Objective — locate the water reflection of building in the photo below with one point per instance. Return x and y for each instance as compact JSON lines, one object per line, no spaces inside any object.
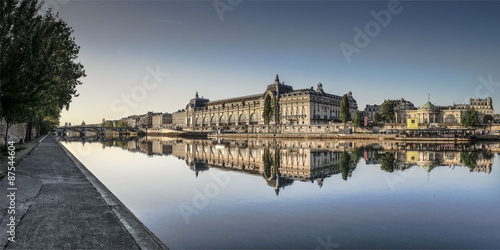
{"x":295,"y":163}
{"x":429,"y":160}
{"x":314,"y":160}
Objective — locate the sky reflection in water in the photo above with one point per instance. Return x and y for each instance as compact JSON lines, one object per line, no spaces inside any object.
{"x":449,"y":206}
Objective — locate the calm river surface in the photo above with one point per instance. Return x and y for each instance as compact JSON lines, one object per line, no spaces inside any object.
{"x":304,"y":194}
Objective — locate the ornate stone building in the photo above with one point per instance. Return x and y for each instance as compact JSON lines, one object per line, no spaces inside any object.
{"x":303,"y":107}
{"x":483,"y":106}
{"x":430,"y":113}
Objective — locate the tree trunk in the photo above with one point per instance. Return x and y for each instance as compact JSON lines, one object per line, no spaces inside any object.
{"x":7,"y":126}
{"x":28,"y":131}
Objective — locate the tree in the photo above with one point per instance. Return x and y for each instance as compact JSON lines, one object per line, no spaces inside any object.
{"x":38,"y":72}
{"x":345,"y":159}
{"x":377,"y":118}
{"x":355,"y":156}
{"x":469,"y":159}
{"x":358,"y":120}
{"x":387,"y":162}
{"x":276,"y":110}
{"x":469,"y":118}
{"x":345,"y":115}
{"x":387,"y":111}
{"x":107,"y":124}
{"x":268,"y":109}
{"x":121,"y":124}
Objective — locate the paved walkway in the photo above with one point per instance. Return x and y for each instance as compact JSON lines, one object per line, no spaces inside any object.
{"x":61,"y":205}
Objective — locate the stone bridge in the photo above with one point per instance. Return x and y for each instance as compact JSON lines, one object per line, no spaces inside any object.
{"x":63,"y":131}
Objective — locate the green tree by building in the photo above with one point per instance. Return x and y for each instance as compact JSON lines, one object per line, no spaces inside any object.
{"x":345,"y":115}
{"x":121,"y":124}
{"x":268,"y":109}
{"x":358,"y":119}
{"x":470,"y":118}
{"x":107,"y":124}
{"x":387,"y":111}
{"x":377,"y":118}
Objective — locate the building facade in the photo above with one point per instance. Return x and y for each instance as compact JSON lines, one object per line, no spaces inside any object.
{"x":483,"y":106}
{"x":303,"y":107}
{"x":430,"y":113}
{"x":371,"y":110}
{"x":161,"y":120}
{"x":146,"y":120}
{"x":133,"y":121}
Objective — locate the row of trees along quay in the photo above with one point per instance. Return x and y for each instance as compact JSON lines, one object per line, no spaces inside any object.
{"x":38,"y":71}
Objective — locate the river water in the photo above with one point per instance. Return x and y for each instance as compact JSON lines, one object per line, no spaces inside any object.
{"x":303,"y":194}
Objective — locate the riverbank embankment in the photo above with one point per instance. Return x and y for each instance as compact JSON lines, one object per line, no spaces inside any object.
{"x":59,"y":204}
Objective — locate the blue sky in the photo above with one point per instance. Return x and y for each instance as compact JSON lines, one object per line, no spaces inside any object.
{"x":447,"y":48}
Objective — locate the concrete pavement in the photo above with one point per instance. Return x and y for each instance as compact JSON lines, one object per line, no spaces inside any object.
{"x":59,"y":204}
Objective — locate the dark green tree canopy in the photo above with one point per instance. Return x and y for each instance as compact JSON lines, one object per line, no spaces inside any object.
{"x":268,"y":109}
{"x":358,"y":119}
{"x":345,"y":159}
{"x":387,"y":111}
{"x":38,"y":72}
{"x":377,"y":118}
{"x":470,"y":118}
{"x":345,"y":116}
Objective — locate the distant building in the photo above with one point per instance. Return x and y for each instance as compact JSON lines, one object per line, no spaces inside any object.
{"x":483,"y":106}
{"x":83,"y":123}
{"x":430,"y":113}
{"x":371,"y":110}
{"x":179,"y":118}
{"x":133,"y":121}
{"x":302,"y":107}
{"x":160,"y":120}
{"x":146,"y":120}
{"x":400,"y":108}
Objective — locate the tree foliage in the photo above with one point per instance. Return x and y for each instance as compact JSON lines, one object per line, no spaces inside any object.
{"x":470,"y":118}
{"x":377,"y":118}
{"x":345,"y":159}
{"x":271,"y":163}
{"x":121,"y":124}
{"x":107,"y":124}
{"x":268,"y":109}
{"x":38,"y":72}
{"x":345,"y":115}
{"x":355,"y":156}
{"x":387,"y":162}
{"x":387,"y":111}
{"x":358,"y":119}
{"x":469,"y":159}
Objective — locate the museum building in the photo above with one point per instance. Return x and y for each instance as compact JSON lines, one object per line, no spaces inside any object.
{"x":300,"y":108}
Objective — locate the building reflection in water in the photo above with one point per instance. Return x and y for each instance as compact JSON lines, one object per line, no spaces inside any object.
{"x":281,"y":163}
